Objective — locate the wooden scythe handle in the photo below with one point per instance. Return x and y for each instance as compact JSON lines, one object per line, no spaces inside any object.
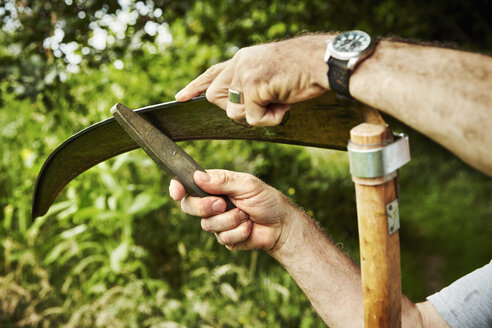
{"x":379,"y":251}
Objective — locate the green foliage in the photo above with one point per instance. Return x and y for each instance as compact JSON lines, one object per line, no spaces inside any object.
{"x":115,"y":235}
{"x":115,"y":251}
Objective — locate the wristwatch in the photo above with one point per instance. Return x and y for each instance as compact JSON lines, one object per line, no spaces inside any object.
{"x":343,"y":54}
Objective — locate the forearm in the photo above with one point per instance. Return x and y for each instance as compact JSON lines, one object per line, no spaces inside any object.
{"x":443,"y":93}
{"x":328,"y":277}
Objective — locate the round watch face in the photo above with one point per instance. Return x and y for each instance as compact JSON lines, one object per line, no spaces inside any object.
{"x":350,"y":44}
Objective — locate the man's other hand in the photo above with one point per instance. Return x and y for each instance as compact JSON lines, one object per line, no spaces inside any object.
{"x":259,"y":220}
{"x":271,"y":77}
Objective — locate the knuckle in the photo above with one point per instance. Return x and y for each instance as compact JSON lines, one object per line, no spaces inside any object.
{"x":251,"y":79}
{"x":204,"y":207}
{"x":244,"y":52}
{"x":252,"y":120}
{"x":211,"y":95}
{"x":201,"y":209}
{"x":251,"y":178}
{"x":234,"y":114}
{"x":221,"y":177}
{"x":225,"y":239}
{"x":240,"y":52}
{"x":212,"y":70}
{"x":245,"y":230}
{"x":253,"y":181}
{"x":277,"y":119}
{"x":237,"y":219}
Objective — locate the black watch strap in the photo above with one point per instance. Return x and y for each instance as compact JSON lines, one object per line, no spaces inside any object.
{"x":338,"y":76}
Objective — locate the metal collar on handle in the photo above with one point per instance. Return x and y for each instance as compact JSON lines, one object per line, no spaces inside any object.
{"x":378,"y":162}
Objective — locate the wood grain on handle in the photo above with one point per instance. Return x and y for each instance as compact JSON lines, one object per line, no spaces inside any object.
{"x":379,"y":251}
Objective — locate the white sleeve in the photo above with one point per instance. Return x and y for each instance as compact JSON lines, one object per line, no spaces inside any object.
{"x":467,"y":302}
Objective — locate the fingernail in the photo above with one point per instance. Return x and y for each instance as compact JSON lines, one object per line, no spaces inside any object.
{"x":218,"y":206}
{"x":204,"y":176}
{"x":178,"y":94}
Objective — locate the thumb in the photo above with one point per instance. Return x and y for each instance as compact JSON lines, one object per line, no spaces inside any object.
{"x":230,"y":183}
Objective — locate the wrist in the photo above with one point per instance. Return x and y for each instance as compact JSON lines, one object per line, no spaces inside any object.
{"x":310,"y":50}
{"x":343,"y":54}
{"x":320,"y":69}
{"x":292,"y":230}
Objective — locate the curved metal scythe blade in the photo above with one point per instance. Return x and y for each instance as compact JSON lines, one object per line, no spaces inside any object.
{"x":321,"y":122}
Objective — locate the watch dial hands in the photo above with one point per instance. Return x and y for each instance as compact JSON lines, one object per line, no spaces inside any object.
{"x":352,"y":42}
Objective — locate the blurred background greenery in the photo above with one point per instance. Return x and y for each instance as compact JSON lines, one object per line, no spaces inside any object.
{"x":115,"y":251}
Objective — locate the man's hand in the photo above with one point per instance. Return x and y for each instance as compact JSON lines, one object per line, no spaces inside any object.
{"x":257,"y":222}
{"x":270,"y":76}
